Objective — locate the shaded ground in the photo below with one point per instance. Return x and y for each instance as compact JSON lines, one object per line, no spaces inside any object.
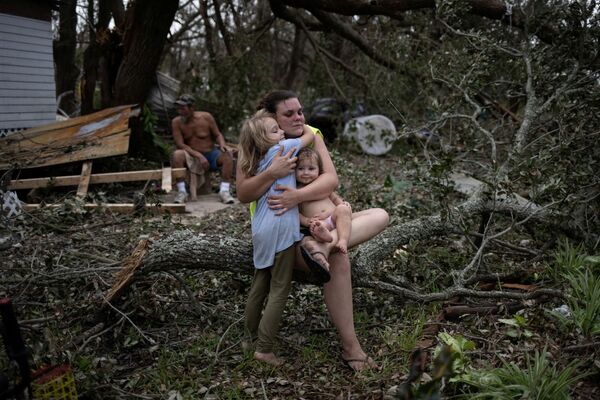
{"x":178,"y":335}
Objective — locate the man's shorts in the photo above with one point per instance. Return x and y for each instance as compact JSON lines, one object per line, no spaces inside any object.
{"x":212,"y":156}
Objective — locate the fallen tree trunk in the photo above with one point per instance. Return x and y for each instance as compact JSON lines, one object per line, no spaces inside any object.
{"x":189,"y":250}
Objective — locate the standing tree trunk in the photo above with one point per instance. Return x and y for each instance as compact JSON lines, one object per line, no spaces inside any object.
{"x":146,"y":27}
{"x":64,"y":56}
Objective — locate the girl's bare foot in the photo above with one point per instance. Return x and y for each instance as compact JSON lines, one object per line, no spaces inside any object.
{"x":269,"y":358}
{"x":342,"y":246}
{"x":319,"y":232}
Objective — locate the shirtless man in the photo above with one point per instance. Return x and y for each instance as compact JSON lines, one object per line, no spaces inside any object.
{"x":200,"y":147}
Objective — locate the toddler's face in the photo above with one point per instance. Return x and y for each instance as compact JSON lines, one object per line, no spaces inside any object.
{"x":274,"y":133}
{"x":307,"y":171}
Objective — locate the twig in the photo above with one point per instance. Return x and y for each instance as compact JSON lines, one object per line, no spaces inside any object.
{"x":581,"y":346}
{"x":222,"y":337}
{"x":188,"y":291}
{"x":92,"y":337}
{"x":150,"y":340}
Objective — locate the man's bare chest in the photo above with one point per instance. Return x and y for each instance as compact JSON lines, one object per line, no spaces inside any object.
{"x":195,"y":131}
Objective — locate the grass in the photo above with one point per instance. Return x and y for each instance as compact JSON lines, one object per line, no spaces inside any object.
{"x":539,"y":379}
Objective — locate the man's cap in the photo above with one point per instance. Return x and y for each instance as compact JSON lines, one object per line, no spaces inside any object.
{"x":185,"y":100}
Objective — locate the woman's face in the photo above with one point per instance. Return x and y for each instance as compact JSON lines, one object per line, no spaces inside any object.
{"x":290,"y":117}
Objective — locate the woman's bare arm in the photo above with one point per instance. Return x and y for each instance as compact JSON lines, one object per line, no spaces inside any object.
{"x":318,"y":189}
{"x":250,"y":188}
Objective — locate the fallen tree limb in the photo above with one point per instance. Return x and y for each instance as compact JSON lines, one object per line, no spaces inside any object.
{"x":188,"y":250}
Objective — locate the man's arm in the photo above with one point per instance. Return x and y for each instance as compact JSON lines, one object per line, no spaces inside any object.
{"x":216,"y":133}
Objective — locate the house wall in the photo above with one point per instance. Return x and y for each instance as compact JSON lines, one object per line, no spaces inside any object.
{"x":27,"y":88}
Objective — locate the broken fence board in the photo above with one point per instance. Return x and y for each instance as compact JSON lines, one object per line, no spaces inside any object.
{"x":86,"y":171}
{"x":173,"y":208}
{"x":111,"y":177}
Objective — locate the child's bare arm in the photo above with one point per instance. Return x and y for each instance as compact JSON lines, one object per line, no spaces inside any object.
{"x":336,"y":199}
{"x":307,"y":137}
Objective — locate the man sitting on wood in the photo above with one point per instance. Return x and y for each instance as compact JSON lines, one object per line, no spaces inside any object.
{"x":200,"y":147}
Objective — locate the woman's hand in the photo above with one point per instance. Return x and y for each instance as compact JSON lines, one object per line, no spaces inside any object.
{"x":282,"y":164}
{"x":281,"y":203}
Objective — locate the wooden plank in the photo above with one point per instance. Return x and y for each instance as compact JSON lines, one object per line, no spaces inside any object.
{"x":167,"y":184}
{"x":119,"y":207}
{"x":15,"y":29}
{"x":84,"y":183}
{"x":100,"y":134}
{"x":109,"y":177}
{"x":113,"y":145}
{"x":79,"y":121}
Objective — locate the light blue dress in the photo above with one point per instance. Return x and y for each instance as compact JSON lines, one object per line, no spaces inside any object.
{"x":272,"y":233}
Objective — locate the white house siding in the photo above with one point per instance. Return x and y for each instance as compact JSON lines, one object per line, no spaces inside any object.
{"x":27,"y":88}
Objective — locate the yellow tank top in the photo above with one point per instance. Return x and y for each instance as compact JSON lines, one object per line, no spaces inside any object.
{"x":315,"y":131}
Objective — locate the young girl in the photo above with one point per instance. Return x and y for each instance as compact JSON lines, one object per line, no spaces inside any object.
{"x":273,"y":236}
{"x":326,"y":214}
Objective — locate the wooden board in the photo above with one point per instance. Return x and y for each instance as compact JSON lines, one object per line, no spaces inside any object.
{"x":102,"y":134}
{"x":84,"y":182}
{"x":119,"y":207}
{"x":73,"y":180}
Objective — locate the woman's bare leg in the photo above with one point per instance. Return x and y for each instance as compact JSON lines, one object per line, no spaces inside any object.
{"x":338,"y":291}
{"x":338,"y":298}
{"x":366,"y":224}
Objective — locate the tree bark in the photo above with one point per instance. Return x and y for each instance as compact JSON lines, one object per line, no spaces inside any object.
{"x":186,"y":249}
{"x":147,"y":24}
{"x":66,"y":72}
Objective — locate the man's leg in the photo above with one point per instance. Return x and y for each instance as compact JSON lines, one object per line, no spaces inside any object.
{"x":225,"y":164}
{"x":178,"y":161}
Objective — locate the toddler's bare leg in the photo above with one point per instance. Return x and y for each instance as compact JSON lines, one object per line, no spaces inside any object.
{"x":342,"y":216}
{"x":320,"y":232}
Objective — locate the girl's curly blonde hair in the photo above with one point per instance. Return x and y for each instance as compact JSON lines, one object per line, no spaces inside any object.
{"x":254,"y":142}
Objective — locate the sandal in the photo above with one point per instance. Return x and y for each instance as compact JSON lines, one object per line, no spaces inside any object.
{"x":316,"y":268}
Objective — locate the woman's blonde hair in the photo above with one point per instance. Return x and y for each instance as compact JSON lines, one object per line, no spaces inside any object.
{"x":254,"y":142}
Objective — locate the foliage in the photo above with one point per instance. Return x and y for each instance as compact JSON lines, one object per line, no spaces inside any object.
{"x":459,"y":347}
{"x":581,"y":273}
{"x":568,"y":259}
{"x":519,"y":326}
{"x":538,"y":380}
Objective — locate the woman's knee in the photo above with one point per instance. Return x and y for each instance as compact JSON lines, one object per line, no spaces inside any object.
{"x":380,"y":217}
